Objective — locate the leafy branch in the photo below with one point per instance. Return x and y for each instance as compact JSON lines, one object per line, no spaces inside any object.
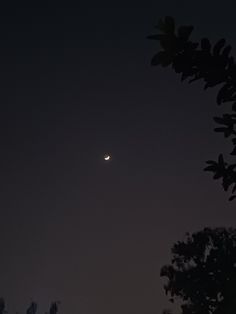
{"x":212,"y":64}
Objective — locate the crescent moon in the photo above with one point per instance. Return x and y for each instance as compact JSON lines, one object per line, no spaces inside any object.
{"x":107,"y":157}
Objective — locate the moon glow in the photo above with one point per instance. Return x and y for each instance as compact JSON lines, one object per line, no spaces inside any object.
{"x":107,"y":157}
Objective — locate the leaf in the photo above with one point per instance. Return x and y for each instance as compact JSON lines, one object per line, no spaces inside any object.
{"x":218,"y":46}
{"x":226,"y":184}
{"x":210,"y":168}
{"x":226,"y":51}
{"x":221,"y":159}
{"x":205,"y":44}
{"x":217,"y":176}
{"x":231,"y":167}
{"x":160,"y":25}
{"x":227,"y":132}
{"x":222,"y":93}
{"x":233,"y":151}
{"x":232,"y":197}
{"x":234,"y":188}
{"x":161,"y":58}
{"x":219,"y":120}
{"x":169,"y":24}
{"x":184,"y":32}
{"x":156,"y":59}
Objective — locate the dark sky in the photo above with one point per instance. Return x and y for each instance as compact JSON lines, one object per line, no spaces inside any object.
{"x":75,"y":82}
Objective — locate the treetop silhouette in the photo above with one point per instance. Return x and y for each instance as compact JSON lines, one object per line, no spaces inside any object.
{"x":202,"y":272}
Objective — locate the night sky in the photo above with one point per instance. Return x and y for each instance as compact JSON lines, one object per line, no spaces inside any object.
{"x":75,"y":83}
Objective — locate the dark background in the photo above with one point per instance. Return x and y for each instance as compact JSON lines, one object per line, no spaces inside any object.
{"x":76,"y":82}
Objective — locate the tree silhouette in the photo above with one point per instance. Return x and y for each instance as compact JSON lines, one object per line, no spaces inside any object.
{"x":32,"y":309}
{"x":202,"y":272}
{"x":54,"y":308}
{"x":215,"y":66}
{"x":2,"y":306}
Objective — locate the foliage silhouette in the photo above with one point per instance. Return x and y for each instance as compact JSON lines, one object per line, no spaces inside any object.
{"x":202,"y":272}
{"x":32,"y":309}
{"x":2,"y":306}
{"x":215,"y":66}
